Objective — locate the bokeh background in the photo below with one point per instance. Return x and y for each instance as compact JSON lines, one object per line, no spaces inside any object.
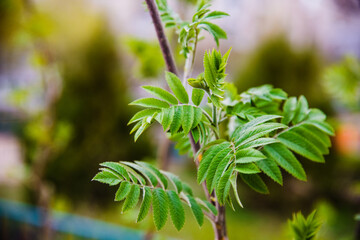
{"x":69,"y":69}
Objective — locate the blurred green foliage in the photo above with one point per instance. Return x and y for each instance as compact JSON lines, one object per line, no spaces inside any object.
{"x":304,"y":228}
{"x":276,"y":62}
{"x":87,"y":123}
{"x":10,"y":11}
{"x":342,"y":81}
{"x":38,"y":134}
{"x":94,"y":102}
{"x":149,"y":60}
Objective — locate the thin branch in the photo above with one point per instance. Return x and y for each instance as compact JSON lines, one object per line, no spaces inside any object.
{"x":164,"y":44}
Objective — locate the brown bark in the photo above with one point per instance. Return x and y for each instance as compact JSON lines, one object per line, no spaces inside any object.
{"x":164,"y":44}
{"x":164,"y":153}
{"x":219,"y":223}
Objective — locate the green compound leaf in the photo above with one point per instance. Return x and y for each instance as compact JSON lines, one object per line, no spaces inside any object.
{"x":153,"y":194}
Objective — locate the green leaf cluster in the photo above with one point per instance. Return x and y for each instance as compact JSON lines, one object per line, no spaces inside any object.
{"x":342,"y":81}
{"x":269,"y":129}
{"x":265,"y":143}
{"x":212,"y":80}
{"x":265,"y":98}
{"x":171,"y":110}
{"x":304,"y":228}
{"x":266,"y":132}
{"x":189,"y":31}
{"x":141,"y":183}
{"x":168,"y":16}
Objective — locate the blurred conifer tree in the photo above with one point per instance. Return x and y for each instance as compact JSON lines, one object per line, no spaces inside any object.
{"x":94,"y":101}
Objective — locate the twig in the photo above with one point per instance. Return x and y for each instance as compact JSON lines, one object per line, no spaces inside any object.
{"x":164,"y":44}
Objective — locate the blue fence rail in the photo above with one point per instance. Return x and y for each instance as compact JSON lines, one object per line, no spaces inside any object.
{"x":66,"y":223}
